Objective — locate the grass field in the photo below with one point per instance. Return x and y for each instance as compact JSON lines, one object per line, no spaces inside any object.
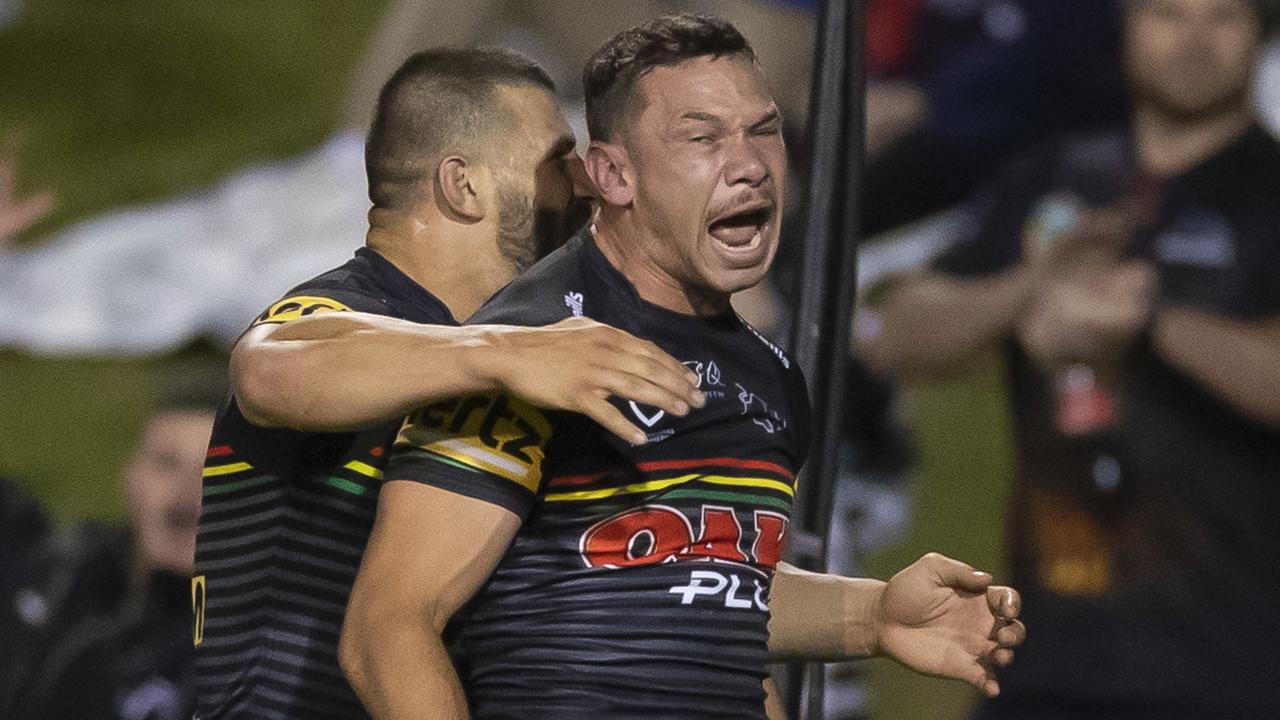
{"x":121,"y":103}
{"x":127,"y":102}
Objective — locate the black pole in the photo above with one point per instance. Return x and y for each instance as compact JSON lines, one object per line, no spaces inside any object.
{"x":823,"y":315}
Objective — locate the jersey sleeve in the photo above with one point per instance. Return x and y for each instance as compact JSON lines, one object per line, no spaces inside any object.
{"x":489,"y":447}
{"x":315,"y":301}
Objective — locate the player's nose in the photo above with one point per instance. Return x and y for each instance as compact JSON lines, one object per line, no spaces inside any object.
{"x":745,"y":164}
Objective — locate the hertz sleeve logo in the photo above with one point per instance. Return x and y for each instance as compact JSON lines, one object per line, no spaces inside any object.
{"x":197,"y":608}
{"x":495,"y":434}
{"x":299,"y":306}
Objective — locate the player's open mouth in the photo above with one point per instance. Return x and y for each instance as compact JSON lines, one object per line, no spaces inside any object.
{"x":742,"y":229}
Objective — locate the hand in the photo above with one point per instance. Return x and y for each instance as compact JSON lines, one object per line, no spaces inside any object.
{"x":1088,"y":314}
{"x":578,"y":363}
{"x":17,"y":214}
{"x":941,"y":617}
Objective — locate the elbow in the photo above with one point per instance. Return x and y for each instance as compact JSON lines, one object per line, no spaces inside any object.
{"x":365,"y":630}
{"x":352,"y":656}
{"x":259,"y":382}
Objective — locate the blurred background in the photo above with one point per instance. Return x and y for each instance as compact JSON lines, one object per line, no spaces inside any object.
{"x":169,"y":169}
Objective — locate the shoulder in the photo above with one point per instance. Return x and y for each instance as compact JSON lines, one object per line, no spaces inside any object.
{"x":786,"y":366}
{"x":343,"y":288}
{"x":547,"y":293}
{"x":1258,"y":164}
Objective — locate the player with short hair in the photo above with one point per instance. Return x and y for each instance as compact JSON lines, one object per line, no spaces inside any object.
{"x":606,"y":580}
{"x":472,"y":176}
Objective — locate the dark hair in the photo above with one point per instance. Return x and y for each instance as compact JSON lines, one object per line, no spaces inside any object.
{"x":190,"y":382}
{"x":439,"y":101}
{"x":1268,"y":12}
{"x":611,"y":73}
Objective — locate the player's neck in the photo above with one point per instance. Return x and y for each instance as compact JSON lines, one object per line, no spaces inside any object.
{"x":1169,"y":146}
{"x":438,"y":258}
{"x":629,"y":249}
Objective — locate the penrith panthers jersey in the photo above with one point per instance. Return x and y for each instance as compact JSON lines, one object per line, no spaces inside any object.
{"x":638,"y":584}
{"x":286,"y":518}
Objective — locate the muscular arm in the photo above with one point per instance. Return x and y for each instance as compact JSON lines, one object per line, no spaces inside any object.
{"x":1238,"y":361}
{"x":429,"y":553}
{"x":347,"y":370}
{"x":931,"y":321}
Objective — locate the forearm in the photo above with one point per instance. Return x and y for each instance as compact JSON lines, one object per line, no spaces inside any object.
{"x":345,"y":371}
{"x":933,"y":321}
{"x":818,"y":617}
{"x":1238,"y":361}
{"x":402,"y":669}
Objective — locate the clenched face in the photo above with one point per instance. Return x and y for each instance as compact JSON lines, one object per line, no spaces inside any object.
{"x":709,"y":168}
{"x":1191,"y":58}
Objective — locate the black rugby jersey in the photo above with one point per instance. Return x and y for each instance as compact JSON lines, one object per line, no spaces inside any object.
{"x":285,"y":522}
{"x":639,"y":581}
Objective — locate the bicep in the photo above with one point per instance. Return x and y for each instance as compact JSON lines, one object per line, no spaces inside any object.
{"x":430,"y":551}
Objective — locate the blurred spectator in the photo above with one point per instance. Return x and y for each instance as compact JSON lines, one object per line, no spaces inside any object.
{"x":97,"y":620}
{"x":1132,"y":277}
{"x":956,"y":87}
{"x":23,"y":524}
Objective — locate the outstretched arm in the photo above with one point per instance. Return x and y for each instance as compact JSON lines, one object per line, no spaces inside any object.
{"x":938,"y":616}
{"x":931,"y":322}
{"x":347,"y":370}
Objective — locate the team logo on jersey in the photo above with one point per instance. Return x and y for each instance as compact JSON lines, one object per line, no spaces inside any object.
{"x":299,"y":306}
{"x":573,"y":301}
{"x":198,"y":587}
{"x":763,"y":417}
{"x":492,"y":433}
{"x":657,"y":534}
{"x":649,"y":419}
{"x":709,"y":377}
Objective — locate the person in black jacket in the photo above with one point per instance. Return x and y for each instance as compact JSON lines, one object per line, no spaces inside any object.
{"x":97,"y":618}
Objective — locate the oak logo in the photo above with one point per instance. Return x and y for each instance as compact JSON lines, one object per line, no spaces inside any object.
{"x":299,"y":306}
{"x":656,"y":534}
{"x":198,"y":588}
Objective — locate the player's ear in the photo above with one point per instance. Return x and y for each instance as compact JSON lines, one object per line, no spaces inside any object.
{"x":460,"y":189}
{"x":610,"y":169}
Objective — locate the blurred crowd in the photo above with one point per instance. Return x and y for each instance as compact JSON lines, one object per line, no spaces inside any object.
{"x":1089,"y":190}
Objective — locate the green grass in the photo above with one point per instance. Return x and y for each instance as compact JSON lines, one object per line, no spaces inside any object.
{"x":959,"y":500}
{"x":121,"y":103}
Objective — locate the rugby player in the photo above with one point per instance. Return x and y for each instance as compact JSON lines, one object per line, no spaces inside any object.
{"x":606,"y":580}
{"x":472,"y":171}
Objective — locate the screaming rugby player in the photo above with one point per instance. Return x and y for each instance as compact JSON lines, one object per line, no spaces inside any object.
{"x":606,"y":580}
